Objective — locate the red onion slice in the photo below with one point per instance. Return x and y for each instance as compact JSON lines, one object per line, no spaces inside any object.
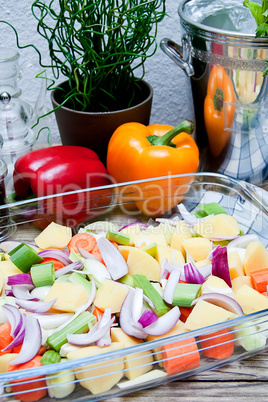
{"x":85,"y":254}
{"x":165,"y":323}
{"x":31,"y":342}
{"x":192,"y":274}
{"x":20,"y":279}
{"x":243,"y":240}
{"x":126,"y":319}
{"x":171,"y":284}
{"x":221,"y":300}
{"x":147,"y":317}
{"x":14,"y":317}
{"x":95,"y":334}
{"x":189,"y":218}
{"x":57,"y":254}
{"x":105,"y":340}
{"x":167,"y":268}
{"x":36,"y":306}
{"x":52,"y":320}
{"x":8,"y":245}
{"x":19,"y":337}
{"x":68,"y":268}
{"x":113,"y":259}
{"x":141,"y":225}
{"x":23,"y":292}
{"x":220,"y":266}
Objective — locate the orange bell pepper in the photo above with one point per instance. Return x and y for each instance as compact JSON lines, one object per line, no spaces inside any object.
{"x":219,"y":109}
{"x":137,"y":152}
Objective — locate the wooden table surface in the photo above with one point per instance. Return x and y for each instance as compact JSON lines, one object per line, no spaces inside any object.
{"x":245,"y":380}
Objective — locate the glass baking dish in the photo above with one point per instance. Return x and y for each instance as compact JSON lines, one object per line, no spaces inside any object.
{"x":24,"y":220}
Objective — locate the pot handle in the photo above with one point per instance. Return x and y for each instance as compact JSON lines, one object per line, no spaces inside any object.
{"x":175,"y":52}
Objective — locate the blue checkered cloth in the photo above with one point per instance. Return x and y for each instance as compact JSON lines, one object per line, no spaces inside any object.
{"x":247,"y":155}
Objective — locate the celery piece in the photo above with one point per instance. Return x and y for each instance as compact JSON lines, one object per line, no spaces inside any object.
{"x":140,"y":281}
{"x":78,"y":325}
{"x":119,"y":238}
{"x":127,"y":280}
{"x":24,"y":256}
{"x":212,"y":208}
{"x":151,"y":249}
{"x":75,"y":277}
{"x":249,"y":337}
{"x":60,"y":384}
{"x":43,"y":274}
{"x":63,"y":278}
{"x":2,"y":257}
{"x":50,"y":357}
{"x":185,"y":293}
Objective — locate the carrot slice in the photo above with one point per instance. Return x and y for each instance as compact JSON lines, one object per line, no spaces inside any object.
{"x":57,"y":264}
{"x":98,"y":313}
{"x":34,"y":394}
{"x":185,"y":312}
{"x":83,"y":240}
{"x":217,"y":347}
{"x":5,"y":337}
{"x":260,"y":280}
{"x":181,"y":356}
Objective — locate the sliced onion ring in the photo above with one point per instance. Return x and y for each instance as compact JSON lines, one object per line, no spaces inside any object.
{"x":35,"y":306}
{"x":31,"y":342}
{"x":243,"y":240}
{"x":113,"y":259}
{"x":95,"y":334}
{"x":23,"y":292}
{"x":57,"y":254}
{"x":220,"y":300}
{"x":165,"y":323}
{"x":85,"y":254}
{"x":68,"y":268}
{"x":14,"y":317}
{"x":126,"y":318}
{"x":19,"y":279}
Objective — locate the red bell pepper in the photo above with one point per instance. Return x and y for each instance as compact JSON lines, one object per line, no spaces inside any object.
{"x":60,"y":169}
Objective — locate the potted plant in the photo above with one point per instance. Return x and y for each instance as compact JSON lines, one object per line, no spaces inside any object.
{"x":99,"y":47}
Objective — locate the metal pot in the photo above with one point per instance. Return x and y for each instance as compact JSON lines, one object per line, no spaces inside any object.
{"x":229,"y":93}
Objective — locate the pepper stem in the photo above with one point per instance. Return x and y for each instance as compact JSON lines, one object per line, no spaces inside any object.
{"x":186,"y":126}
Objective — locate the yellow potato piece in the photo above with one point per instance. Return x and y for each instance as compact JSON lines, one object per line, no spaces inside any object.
{"x":250,"y":299}
{"x":256,"y":258}
{"x":181,"y":233}
{"x":102,"y":376}
{"x":239,"y":281}
{"x":198,"y":247}
{"x":140,"y":262}
{"x":69,"y":296}
{"x":135,"y":364}
{"x":235,"y":264}
{"x":110,"y":294}
{"x":204,"y":314}
{"x":217,"y":226}
{"x":170,"y":254}
{"x":54,"y":236}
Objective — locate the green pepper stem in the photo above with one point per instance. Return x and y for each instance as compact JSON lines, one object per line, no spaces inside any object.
{"x":186,"y":126}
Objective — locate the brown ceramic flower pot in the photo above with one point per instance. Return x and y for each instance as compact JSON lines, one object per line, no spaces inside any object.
{"x":93,"y":130}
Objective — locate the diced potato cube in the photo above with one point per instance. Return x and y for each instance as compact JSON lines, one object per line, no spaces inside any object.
{"x":198,"y":247}
{"x":140,"y":262}
{"x":256,"y":257}
{"x":102,"y":376}
{"x":54,"y":236}
{"x":204,"y":314}
{"x":136,"y":364}
{"x":110,"y":294}
{"x":69,"y":296}
{"x":250,"y":299}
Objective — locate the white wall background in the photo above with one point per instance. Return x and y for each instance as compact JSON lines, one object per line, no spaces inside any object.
{"x":172,"y":101}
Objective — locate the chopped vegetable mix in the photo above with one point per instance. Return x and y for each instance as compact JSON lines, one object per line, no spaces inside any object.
{"x":104,"y":290}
